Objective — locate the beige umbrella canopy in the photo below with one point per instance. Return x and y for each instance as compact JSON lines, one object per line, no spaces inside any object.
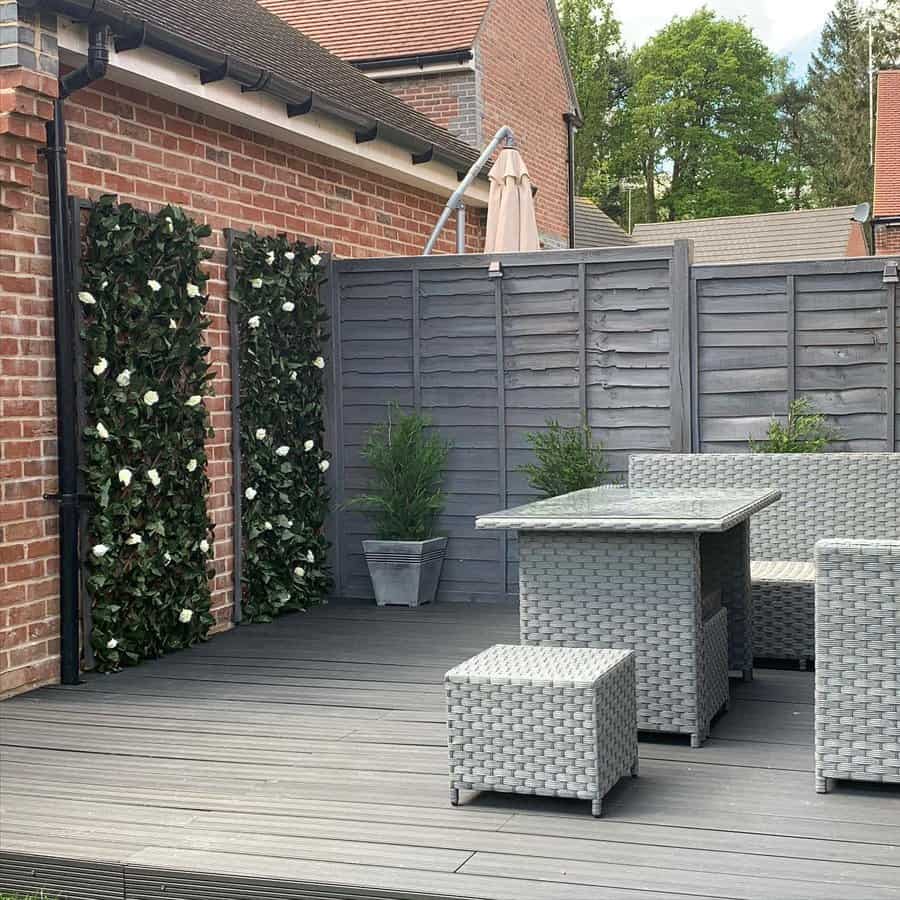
{"x":510,"y":222}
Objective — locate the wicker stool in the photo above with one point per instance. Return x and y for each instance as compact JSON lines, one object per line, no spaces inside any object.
{"x":553,"y":721}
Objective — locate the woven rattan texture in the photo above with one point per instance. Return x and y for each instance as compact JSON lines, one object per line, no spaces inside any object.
{"x":857,"y":661}
{"x":825,"y":495}
{"x":547,"y":737}
{"x":638,"y":592}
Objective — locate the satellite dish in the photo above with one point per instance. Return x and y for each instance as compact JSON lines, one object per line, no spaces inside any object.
{"x":861,"y":213}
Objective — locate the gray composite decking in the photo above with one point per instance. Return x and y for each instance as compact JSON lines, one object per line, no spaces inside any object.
{"x":311,"y":751}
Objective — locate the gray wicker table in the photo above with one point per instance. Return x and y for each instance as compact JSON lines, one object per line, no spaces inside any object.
{"x":665,"y":573}
{"x":553,"y":721}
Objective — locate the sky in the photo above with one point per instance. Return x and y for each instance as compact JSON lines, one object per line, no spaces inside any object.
{"x":788,"y":27}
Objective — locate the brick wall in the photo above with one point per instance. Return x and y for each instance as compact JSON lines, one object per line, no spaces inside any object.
{"x":887,"y":239}
{"x":149,"y":152}
{"x":524,"y":86}
{"x":449,"y":99}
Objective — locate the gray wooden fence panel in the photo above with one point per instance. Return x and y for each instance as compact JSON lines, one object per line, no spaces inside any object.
{"x":653,"y":352}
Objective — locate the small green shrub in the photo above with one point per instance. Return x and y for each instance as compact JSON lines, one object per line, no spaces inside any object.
{"x":568,"y":460}
{"x":405,"y":492}
{"x":806,"y":431}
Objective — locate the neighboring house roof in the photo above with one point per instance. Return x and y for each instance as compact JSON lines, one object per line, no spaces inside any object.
{"x":798,"y":234}
{"x":594,"y":228}
{"x":358,"y":30}
{"x":277,"y":58}
{"x":887,"y":146}
{"x":365,"y":31}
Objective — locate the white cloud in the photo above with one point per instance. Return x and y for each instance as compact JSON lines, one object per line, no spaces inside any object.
{"x":785,"y":27}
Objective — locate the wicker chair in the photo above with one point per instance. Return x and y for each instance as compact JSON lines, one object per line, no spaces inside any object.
{"x":826,"y":495}
{"x":857,"y":661}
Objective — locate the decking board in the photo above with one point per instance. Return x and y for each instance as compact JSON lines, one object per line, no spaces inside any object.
{"x":311,"y":751}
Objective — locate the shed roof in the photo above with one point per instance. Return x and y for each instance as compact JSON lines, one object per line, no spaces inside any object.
{"x":594,"y":228}
{"x":358,"y":30}
{"x":887,"y":145}
{"x":797,"y":234}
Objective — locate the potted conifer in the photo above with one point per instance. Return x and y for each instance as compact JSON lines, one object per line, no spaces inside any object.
{"x":404,"y":500}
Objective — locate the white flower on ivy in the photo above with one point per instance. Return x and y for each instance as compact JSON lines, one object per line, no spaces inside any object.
{"x":324,"y":466}
{"x":167,"y":557}
{"x":193,"y":400}
{"x":192,"y":290}
{"x":191,"y":464}
{"x":250,"y":493}
{"x":256,"y":283}
{"x":123,"y":379}
{"x":283,"y":450}
{"x":104,"y":285}
{"x":299,"y":571}
{"x":289,"y":256}
{"x":154,"y":285}
{"x":253,"y":322}
{"x":315,"y":259}
{"x":260,"y":433}
{"x":267,"y":525}
{"x":185,"y":616}
{"x":125,"y":476}
{"x":99,"y":550}
{"x":204,"y":546}
{"x":270,"y":257}
{"x":308,"y":445}
{"x":87,"y":298}
{"x":293,"y":376}
{"x":169,"y":226}
{"x":319,"y":362}
{"x":153,"y":477}
{"x":117,"y":227}
{"x":288,"y":306}
{"x":310,"y":556}
{"x":150,"y":398}
{"x":111,"y":644}
{"x":134,"y":539}
{"x":173,"y":325}
{"x":102,"y":431}
{"x":100,"y":366}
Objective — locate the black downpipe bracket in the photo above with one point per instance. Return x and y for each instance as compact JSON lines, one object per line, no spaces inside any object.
{"x":63,"y":261}
{"x":571,"y":124}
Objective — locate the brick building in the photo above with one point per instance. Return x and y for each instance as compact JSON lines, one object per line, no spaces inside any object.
{"x":886,"y":211}
{"x":471,"y":66}
{"x":252,"y":125}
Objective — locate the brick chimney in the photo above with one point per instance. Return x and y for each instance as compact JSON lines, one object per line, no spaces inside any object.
{"x":886,"y":212}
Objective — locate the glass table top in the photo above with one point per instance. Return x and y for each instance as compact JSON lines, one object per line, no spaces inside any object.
{"x":629,"y":509}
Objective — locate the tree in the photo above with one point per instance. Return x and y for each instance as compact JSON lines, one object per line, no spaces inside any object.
{"x":701,"y":120}
{"x":596,"y":58}
{"x":793,"y":100}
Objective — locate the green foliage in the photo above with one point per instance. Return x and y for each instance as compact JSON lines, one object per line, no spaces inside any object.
{"x":149,"y":538}
{"x":806,"y":431}
{"x":283,"y":462}
{"x":405,"y":493}
{"x":567,"y":460}
{"x":702,"y":121}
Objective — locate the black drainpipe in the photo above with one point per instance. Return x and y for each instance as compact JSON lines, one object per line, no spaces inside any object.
{"x":571,"y":123}
{"x":64,"y":322}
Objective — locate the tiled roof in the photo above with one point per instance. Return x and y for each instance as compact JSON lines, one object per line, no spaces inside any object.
{"x":243,"y":31}
{"x":359,"y":30}
{"x":594,"y":228}
{"x":887,"y":145}
{"x":798,"y":234}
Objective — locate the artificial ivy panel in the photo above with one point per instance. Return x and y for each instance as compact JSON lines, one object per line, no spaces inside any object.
{"x":283,"y":462}
{"x":149,"y":540}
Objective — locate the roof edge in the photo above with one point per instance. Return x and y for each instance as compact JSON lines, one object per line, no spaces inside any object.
{"x":461,"y":55}
{"x":774,"y":212}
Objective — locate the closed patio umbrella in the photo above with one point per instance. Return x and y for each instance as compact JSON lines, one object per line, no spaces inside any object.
{"x":510,"y":222}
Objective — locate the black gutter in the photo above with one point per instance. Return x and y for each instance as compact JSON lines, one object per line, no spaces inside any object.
{"x":419,"y":61}
{"x":571,"y":123}
{"x":130,"y":31}
{"x":62,"y":262}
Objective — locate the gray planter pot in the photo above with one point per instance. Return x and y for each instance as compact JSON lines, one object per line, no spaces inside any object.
{"x":405,"y":573}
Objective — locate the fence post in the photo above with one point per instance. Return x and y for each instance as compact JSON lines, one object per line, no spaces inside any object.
{"x":891,"y":406}
{"x":416,"y":341}
{"x":680,"y":349}
{"x":791,"y":292}
{"x":496,"y":275}
{"x":334,"y":402}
